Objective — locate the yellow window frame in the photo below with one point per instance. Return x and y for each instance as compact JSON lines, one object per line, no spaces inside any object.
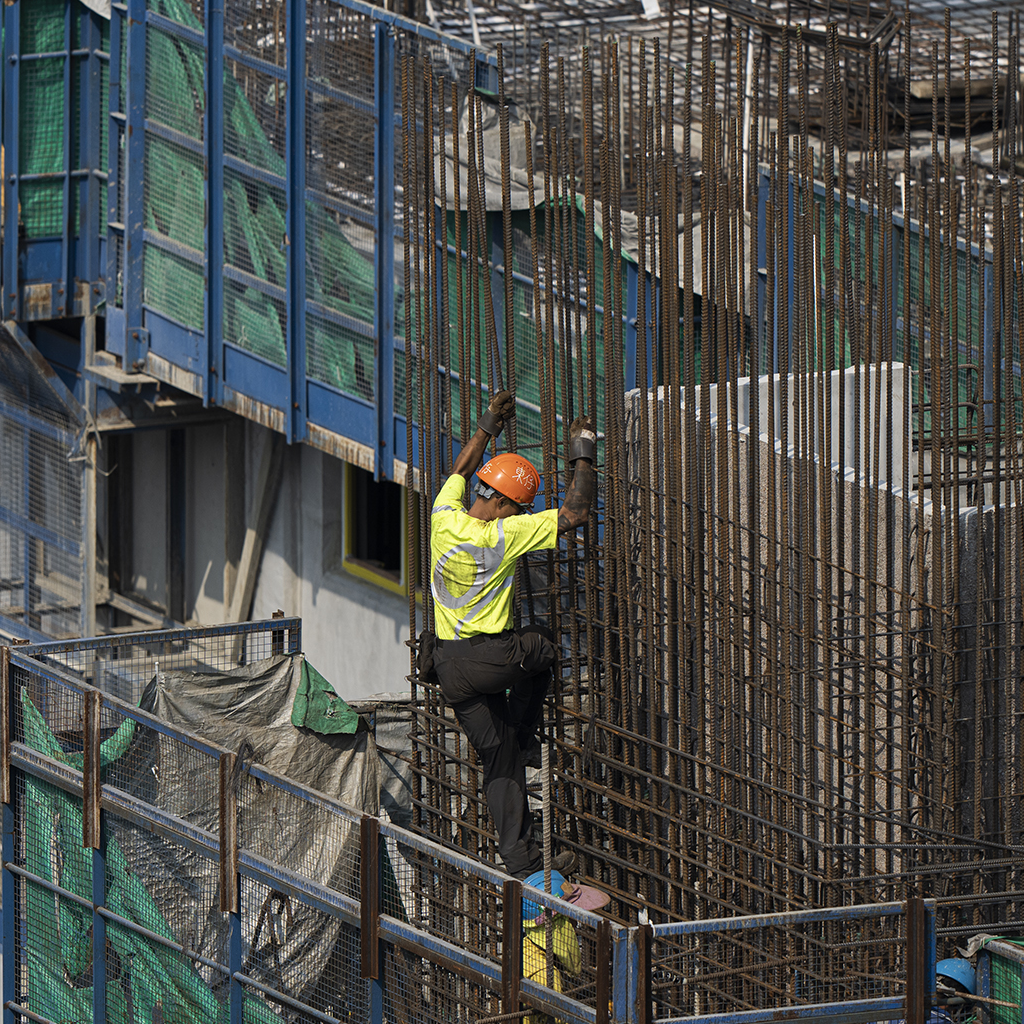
{"x":355,"y":566}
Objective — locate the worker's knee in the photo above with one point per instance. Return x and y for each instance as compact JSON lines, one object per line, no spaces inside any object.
{"x":538,"y":648}
{"x":500,"y":762}
{"x":538,"y":627}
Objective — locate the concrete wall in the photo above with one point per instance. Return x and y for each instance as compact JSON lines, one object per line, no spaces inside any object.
{"x":354,"y":632}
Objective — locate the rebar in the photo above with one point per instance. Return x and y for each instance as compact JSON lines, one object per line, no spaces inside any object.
{"x":791,"y":631}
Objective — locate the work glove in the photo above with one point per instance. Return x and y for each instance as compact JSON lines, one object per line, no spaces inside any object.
{"x":498,"y":410}
{"x":582,"y":439}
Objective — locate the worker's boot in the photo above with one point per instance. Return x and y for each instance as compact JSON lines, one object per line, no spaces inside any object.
{"x":564,"y":863}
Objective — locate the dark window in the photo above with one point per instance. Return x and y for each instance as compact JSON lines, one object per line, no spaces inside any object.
{"x":375,"y":528}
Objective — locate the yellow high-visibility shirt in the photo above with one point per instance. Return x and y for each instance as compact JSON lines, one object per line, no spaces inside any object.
{"x":474,"y":562}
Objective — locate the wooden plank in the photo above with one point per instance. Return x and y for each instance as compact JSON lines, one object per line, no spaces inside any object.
{"x":267,"y":483}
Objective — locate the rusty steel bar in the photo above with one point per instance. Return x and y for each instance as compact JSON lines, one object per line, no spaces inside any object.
{"x":790,"y":632}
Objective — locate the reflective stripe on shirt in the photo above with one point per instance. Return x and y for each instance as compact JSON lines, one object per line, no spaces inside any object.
{"x":474,"y":562}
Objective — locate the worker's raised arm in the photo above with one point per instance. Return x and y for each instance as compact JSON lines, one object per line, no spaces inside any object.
{"x":497,"y":412}
{"x":579,"y":495}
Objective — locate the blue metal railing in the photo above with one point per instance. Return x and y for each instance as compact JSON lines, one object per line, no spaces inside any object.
{"x":444,"y":892}
{"x":888,"y":1006}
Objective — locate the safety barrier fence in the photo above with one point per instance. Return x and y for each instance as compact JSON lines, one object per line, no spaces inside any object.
{"x":819,"y":964}
{"x":119,"y":904}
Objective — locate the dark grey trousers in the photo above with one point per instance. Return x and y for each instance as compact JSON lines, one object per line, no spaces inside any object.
{"x":496,"y":687}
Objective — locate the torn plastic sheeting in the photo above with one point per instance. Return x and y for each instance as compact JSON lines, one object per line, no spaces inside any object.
{"x":317,"y":705}
{"x":249,"y":710}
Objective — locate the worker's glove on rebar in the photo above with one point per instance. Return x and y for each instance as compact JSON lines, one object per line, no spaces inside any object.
{"x":582,"y":440}
{"x":497,"y":412}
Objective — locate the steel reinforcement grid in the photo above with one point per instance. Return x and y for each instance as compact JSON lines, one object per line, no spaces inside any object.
{"x":791,"y":635}
{"x":102,"y":911}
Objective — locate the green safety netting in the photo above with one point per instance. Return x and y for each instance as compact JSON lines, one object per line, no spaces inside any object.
{"x":144,"y":979}
{"x":255,"y":226}
{"x":1005,"y":984}
{"x":41,"y":121}
{"x":341,"y":279}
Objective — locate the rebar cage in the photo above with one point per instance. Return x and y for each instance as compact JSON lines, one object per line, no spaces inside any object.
{"x":791,"y":632}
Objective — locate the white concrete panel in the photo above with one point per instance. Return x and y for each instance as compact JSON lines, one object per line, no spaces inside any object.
{"x":866,"y":406}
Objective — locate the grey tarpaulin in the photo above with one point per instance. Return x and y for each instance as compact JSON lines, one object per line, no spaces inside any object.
{"x":288,"y":946}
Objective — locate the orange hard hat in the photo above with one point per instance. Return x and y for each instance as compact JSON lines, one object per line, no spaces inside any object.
{"x":512,"y":476}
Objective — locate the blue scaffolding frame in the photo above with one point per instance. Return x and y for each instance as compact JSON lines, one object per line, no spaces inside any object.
{"x":95,"y":265}
{"x":98,"y":268}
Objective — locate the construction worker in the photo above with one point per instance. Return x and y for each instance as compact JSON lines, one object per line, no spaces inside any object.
{"x":495,"y":677}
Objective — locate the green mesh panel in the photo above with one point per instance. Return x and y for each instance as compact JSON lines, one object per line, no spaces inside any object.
{"x":162,"y":984}
{"x":344,"y":282}
{"x":43,"y":119}
{"x":104,"y":94}
{"x":41,"y":138}
{"x":174,"y":192}
{"x":254,"y":119}
{"x":255,"y":216}
{"x":1005,"y":987}
{"x":42,"y":26}
{"x":344,"y":357}
{"x":174,"y":285}
{"x":254,"y":321}
{"x":175,"y":100}
{"x":255,"y":226}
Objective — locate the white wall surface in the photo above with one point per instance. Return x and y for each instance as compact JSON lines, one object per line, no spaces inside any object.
{"x":866,"y":405}
{"x":352,"y":631}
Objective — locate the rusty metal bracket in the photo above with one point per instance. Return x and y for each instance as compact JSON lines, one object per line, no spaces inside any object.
{"x":91,"y":782}
{"x":603,"y":989}
{"x":228,"y":836}
{"x":919,"y":988}
{"x":644,"y":993}
{"x":511,"y":946}
{"x":369,"y":892}
{"x":5,"y":724}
